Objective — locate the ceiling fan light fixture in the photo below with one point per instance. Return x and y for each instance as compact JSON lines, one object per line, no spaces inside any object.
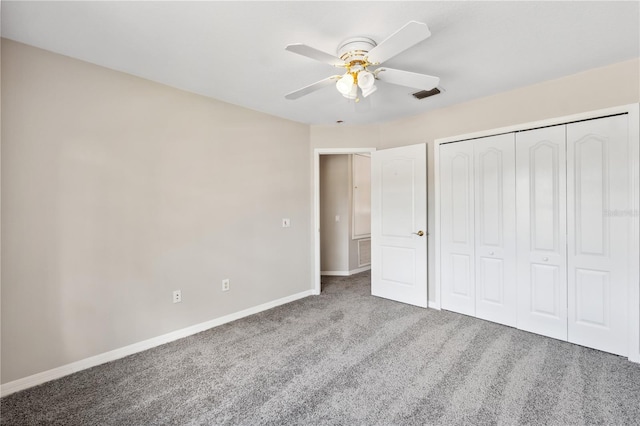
{"x":345,"y":84}
{"x":358,"y":53}
{"x":366,"y":80}
{"x":353,"y":93}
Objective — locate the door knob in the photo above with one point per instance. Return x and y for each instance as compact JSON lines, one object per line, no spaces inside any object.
{"x":491,"y":253}
{"x":419,"y":233}
{"x":546,"y":259}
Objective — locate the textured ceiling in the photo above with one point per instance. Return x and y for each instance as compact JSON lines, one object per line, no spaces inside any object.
{"x":234,"y":51}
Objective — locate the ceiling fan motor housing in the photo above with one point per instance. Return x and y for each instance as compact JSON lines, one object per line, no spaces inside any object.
{"x":355,"y":49}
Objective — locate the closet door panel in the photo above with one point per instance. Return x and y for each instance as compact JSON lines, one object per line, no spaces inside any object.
{"x":541,"y":221}
{"x":599,"y":226}
{"x":495,"y":229}
{"x":457,"y":228}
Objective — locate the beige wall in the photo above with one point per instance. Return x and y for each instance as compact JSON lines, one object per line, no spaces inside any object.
{"x":617,"y":84}
{"x":339,"y":136}
{"x":117,"y":190}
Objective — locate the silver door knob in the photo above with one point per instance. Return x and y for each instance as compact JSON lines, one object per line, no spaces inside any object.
{"x":546,"y":259}
{"x":419,"y":233}
{"x":491,"y":253}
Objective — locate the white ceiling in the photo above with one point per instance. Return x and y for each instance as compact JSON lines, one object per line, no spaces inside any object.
{"x":234,"y":50}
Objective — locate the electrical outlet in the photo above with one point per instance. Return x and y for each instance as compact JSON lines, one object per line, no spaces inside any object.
{"x":286,"y":222}
{"x":225,"y":284}
{"x":177,"y":296}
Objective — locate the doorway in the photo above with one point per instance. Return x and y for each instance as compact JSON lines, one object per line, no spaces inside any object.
{"x":337,"y":218}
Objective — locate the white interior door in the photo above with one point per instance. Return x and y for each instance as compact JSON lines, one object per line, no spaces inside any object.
{"x":541,"y":235}
{"x":398,"y":224}
{"x":457,"y":235}
{"x":495,"y":229}
{"x":599,"y":228}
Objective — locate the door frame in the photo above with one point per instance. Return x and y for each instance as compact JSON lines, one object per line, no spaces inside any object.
{"x":633,"y":112}
{"x":315,"y":231}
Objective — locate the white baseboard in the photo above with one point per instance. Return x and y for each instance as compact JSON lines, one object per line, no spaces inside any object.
{"x":358,"y":270}
{"x":56,"y":373}
{"x":335,"y":273}
{"x":345,"y":273}
{"x":434,"y":305}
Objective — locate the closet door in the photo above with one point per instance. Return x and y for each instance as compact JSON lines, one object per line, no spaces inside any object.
{"x":599,"y":215}
{"x":495,"y":229}
{"x":541,"y":219}
{"x":456,"y":227}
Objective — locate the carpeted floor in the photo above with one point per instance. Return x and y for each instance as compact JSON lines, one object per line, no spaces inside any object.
{"x":345,"y":358}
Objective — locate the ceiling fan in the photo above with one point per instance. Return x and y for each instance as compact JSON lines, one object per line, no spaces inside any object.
{"x":358,"y":55}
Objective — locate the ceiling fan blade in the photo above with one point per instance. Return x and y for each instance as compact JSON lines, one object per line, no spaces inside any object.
{"x":407,"y":78}
{"x":409,"y":35}
{"x":313,"y":87}
{"x":313,"y":53}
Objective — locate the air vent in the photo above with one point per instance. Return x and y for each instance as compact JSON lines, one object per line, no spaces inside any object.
{"x":426,"y":93}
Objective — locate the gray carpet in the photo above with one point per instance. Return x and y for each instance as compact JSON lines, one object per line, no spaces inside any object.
{"x":345,"y":358}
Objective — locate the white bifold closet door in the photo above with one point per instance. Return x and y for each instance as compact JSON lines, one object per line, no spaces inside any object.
{"x":599,"y":226}
{"x":495,"y":229}
{"x":457,"y":235}
{"x":478,"y":229}
{"x":564,"y":271}
{"x":541,"y":218}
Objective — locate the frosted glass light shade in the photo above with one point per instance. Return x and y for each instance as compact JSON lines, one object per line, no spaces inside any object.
{"x":345,"y":84}
{"x":366,"y":80}
{"x":353,"y":93}
{"x":370,"y":90}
